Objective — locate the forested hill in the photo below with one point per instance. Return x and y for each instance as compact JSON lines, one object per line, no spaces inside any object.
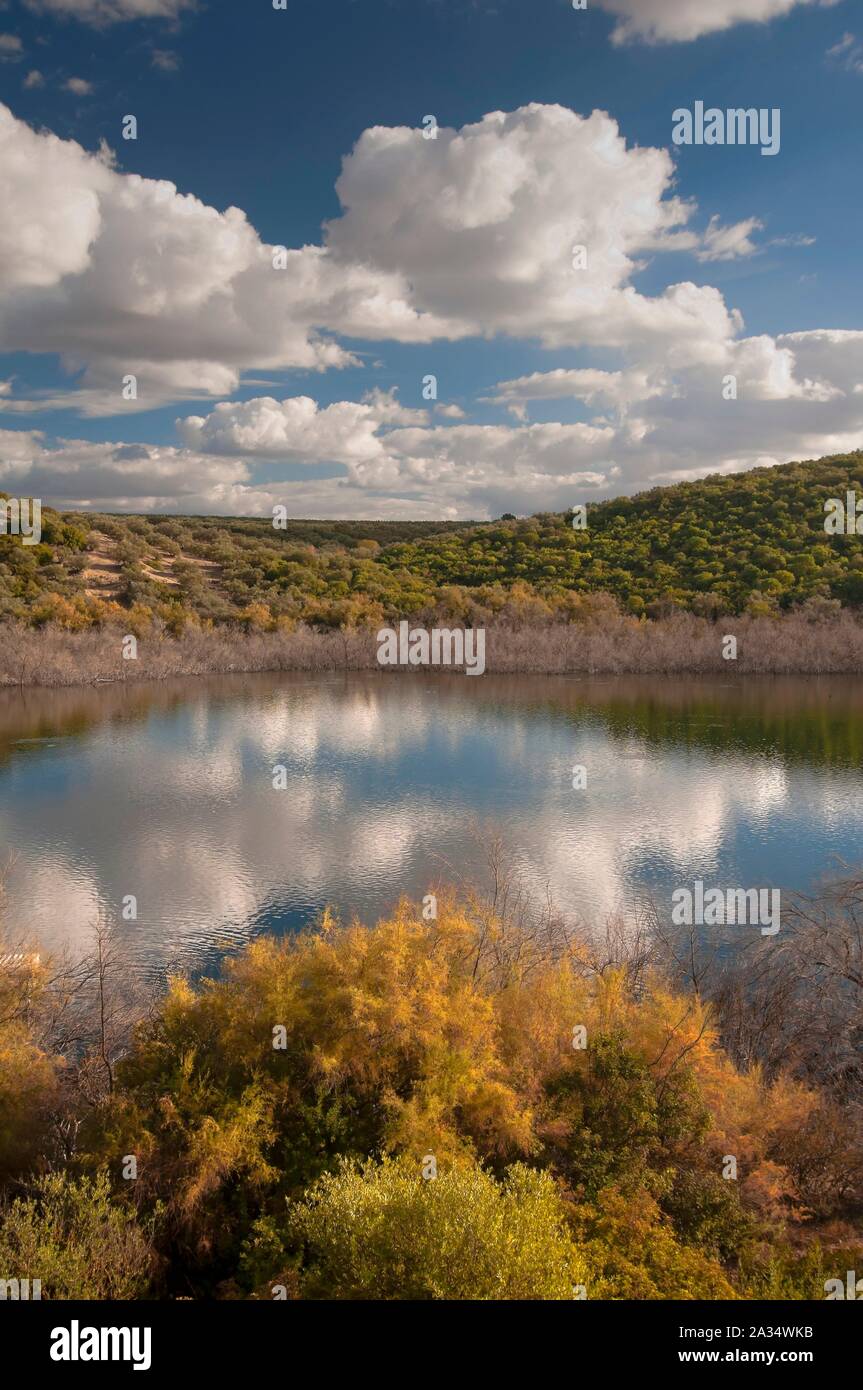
{"x":753,"y":540}
{"x":715,"y":542}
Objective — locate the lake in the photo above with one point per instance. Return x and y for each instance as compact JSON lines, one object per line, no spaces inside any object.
{"x":165,"y":791}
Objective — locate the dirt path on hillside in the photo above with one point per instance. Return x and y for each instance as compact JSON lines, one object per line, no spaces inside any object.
{"x":102,"y":575}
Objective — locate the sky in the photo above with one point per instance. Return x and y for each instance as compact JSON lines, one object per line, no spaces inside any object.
{"x":422,"y":258}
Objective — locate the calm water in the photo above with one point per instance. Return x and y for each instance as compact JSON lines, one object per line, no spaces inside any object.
{"x":165,"y":791}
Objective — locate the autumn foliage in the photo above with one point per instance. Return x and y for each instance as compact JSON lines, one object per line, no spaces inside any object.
{"x":470,"y":1107}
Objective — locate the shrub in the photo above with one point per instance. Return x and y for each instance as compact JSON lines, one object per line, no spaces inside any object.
{"x":73,"y":1238}
{"x":383,"y":1231}
{"x":632,"y":1252}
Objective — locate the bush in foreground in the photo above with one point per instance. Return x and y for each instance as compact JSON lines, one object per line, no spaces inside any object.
{"x":385,"y":1231}
{"x":76,"y":1240}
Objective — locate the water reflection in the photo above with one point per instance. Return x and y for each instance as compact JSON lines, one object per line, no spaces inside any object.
{"x":165,"y":791}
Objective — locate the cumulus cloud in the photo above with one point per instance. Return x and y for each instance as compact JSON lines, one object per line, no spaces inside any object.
{"x":759,"y":400}
{"x":169,"y":480}
{"x":382,"y":445}
{"x":587,"y":384}
{"x":298,"y":430}
{"x":472,"y":459}
{"x":763,"y":368}
{"x":795,"y":399}
{"x":385,"y":460}
{"x":78,"y":86}
{"x":50,"y":215}
{"x":121,"y":274}
{"x":676,"y":21}
{"x":798,"y":395}
{"x":469,"y":234}
{"x":105,"y":392}
{"x":134,"y":476}
{"x":485,"y":223}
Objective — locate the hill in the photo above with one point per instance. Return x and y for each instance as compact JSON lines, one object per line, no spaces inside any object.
{"x":751,"y":541}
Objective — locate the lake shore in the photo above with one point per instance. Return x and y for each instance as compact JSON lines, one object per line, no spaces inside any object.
{"x":793,"y":644}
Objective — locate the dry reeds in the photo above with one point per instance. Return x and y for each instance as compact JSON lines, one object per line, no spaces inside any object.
{"x":795,"y":643}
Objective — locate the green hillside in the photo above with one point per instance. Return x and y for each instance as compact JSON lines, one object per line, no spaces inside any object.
{"x":701,"y":545}
{"x":752,"y":540}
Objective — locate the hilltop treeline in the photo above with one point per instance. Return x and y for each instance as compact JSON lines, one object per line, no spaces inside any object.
{"x":746,"y":542}
{"x":482,"y":1106}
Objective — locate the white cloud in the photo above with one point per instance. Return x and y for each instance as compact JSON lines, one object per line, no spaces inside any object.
{"x":474,"y":458}
{"x":793,"y":239}
{"x":34,"y":79}
{"x":470,"y":234}
{"x":848,"y":52}
{"x":79,"y":86}
{"x":298,"y":430}
{"x":156,"y":382}
{"x":121,"y":274}
{"x":387,"y":455}
{"x":482,"y":222}
{"x":165,"y":60}
{"x":587,"y":384}
{"x":133,"y":476}
{"x":50,"y":214}
{"x":799,"y":395}
{"x":10,"y":45}
{"x":378,"y":467}
{"x":795,"y":400}
{"x":111,"y":11}
{"x":728,"y":243}
{"x":675,"y":21}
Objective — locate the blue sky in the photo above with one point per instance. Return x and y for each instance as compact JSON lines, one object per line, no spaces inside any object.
{"x":243,"y":106}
